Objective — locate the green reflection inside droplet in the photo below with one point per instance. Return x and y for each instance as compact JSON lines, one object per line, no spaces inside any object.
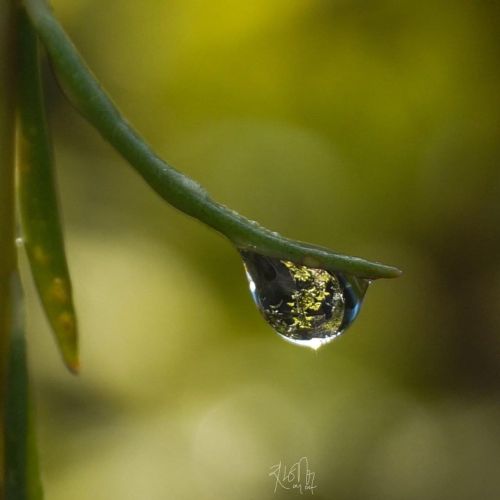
{"x":305,"y":305}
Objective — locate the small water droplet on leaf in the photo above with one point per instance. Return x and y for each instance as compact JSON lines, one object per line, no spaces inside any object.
{"x":307,"y":306}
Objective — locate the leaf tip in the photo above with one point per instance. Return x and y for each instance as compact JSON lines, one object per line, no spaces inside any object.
{"x":70,"y":357}
{"x":73,"y":366}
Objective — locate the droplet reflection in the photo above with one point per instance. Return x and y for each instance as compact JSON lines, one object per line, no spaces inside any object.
{"x":306,"y":306}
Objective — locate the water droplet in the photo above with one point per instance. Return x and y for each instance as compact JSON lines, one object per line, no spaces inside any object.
{"x":19,"y":242}
{"x":305,"y":305}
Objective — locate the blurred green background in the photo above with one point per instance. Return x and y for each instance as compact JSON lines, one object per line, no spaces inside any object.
{"x":371,"y":127}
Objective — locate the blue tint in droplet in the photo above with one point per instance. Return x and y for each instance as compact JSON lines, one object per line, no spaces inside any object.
{"x":306,"y":306}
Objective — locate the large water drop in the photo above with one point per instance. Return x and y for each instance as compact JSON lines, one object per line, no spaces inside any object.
{"x":305,"y":305}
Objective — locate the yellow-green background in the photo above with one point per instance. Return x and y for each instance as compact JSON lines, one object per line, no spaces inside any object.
{"x":371,"y":127}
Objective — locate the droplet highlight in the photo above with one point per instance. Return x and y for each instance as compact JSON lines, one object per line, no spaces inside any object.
{"x":307,"y":306}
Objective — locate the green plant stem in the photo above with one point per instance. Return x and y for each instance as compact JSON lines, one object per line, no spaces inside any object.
{"x":89,"y":98}
{"x":38,"y":204}
{"x":21,"y":455}
{"x":7,"y":246}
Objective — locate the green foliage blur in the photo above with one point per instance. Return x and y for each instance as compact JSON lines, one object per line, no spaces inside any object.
{"x":371,"y":127}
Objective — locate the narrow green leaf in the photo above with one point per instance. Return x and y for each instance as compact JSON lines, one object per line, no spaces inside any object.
{"x":8,"y":57}
{"x":41,"y":225}
{"x":21,"y":457}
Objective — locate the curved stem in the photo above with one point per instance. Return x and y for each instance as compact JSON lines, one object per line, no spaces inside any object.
{"x":89,"y":98}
